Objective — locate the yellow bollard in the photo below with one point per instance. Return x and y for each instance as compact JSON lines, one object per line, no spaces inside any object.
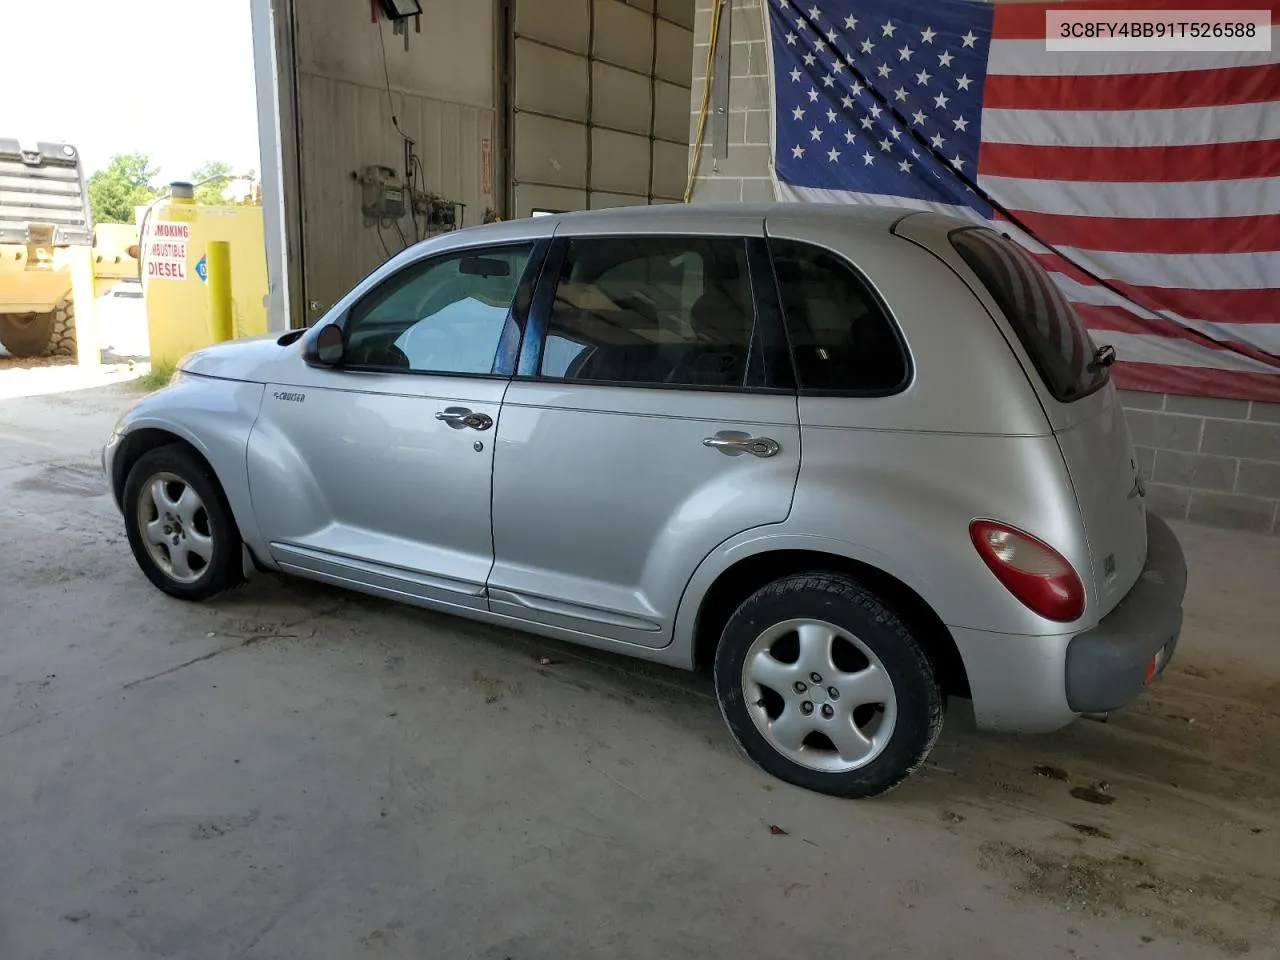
{"x":218,"y":263}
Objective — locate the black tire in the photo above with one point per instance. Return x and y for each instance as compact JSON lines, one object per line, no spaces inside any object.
{"x":62,"y":338}
{"x":26,"y":334}
{"x":224,"y":569}
{"x":843,"y":603}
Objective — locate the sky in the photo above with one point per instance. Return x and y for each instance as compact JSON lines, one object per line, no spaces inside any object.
{"x":169,"y":78}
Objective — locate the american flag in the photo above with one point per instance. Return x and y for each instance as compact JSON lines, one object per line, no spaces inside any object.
{"x":1148,"y":183}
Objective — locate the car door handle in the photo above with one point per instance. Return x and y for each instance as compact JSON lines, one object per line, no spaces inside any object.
{"x":459,"y":417}
{"x":732,"y":444}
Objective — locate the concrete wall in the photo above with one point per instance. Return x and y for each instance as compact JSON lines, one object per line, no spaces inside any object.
{"x":1209,"y":461}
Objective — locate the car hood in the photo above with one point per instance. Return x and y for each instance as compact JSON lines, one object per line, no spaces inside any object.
{"x":250,"y":359}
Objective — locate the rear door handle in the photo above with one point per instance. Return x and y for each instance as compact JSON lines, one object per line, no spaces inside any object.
{"x":733,"y":443}
{"x":460,"y":417}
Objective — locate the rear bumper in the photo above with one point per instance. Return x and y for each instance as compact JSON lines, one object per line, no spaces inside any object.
{"x":1034,"y":684}
{"x":1109,"y":665}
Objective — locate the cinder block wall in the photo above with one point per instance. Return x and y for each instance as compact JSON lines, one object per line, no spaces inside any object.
{"x":1209,"y":461}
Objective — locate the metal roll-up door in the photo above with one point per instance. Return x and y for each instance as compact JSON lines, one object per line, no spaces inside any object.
{"x":598,"y":102}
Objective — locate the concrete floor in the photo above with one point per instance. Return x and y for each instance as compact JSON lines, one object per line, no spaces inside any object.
{"x":295,"y":772}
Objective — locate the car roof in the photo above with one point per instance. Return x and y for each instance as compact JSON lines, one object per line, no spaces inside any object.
{"x":866,"y":219}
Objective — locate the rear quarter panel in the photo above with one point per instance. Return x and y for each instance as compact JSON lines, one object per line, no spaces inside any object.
{"x":895,"y":481}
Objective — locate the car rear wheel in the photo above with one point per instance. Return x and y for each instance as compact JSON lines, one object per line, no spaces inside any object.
{"x":823,"y":686}
{"x":180,"y":526}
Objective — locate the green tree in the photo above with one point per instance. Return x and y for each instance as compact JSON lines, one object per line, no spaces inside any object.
{"x":217,"y":173}
{"x":125,"y":182}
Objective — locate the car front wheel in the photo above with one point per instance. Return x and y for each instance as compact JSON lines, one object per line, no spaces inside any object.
{"x":824,"y":686}
{"x":180,"y":526}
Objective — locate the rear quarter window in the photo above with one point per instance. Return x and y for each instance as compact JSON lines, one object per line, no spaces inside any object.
{"x":1041,"y":316}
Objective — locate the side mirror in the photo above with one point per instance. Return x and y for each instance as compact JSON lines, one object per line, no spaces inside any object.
{"x":326,"y":347}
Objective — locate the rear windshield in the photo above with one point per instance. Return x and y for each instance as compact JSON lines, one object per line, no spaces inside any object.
{"x":1043,"y":319}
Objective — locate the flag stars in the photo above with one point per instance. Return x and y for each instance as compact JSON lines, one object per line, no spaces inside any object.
{"x":837,"y":67}
{"x":941,"y":101}
{"x":883,"y":70}
{"x":927,"y":35}
{"x":958,"y":162}
{"x":849,"y":136}
{"x":797,"y":152}
{"x":905,"y":166}
{"x":791,"y":38}
{"x":828,"y":81}
{"x":847,"y":102}
{"x":876,"y":110}
{"x":867,"y":123}
{"x":850,"y":22}
{"x":832,"y":35}
{"x":918,"y":118}
{"x":937,"y":140}
{"x":923,"y":77}
{"x":856,"y":88}
{"x":801,"y":25}
{"x":815,"y":134}
{"x":831,"y":115}
{"x":867,"y":47}
{"x":885,"y":145}
{"x":888,"y":28}
{"x":945,"y":58}
{"x":868,"y":159}
{"x":809,"y":59}
{"x":815,"y":13}
{"x":895,"y":133}
{"x":798,"y":113}
{"x":905,"y":53}
{"x":900,"y":95}
{"x":963,"y":81}
{"x":969,"y":39}
{"x":813,"y":95}
{"x":795,"y":75}
{"x":820,"y":45}
{"x":833,"y":155}
{"x":961,"y":124}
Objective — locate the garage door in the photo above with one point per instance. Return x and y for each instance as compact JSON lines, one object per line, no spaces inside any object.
{"x":597,"y":103}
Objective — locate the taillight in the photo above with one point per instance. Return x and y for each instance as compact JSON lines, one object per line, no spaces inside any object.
{"x":1030,"y":569}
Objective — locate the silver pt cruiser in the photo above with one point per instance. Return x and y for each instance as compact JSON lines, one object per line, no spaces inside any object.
{"x":854,"y":460}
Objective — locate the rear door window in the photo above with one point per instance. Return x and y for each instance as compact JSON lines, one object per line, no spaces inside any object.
{"x":1043,"y":319}
{"x":842,"y":340}
{"x":671,"y":311}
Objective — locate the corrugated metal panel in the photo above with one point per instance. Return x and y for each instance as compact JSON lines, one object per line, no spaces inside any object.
{"x":673,"y":61}
{"x":531,"y":196}
{"x":345,"y":127}
{"x":670,"y":169}
{"x":560,"y":23}
{"x":622,"y":35}
{"x":620,"y":99}
{"x":671,"y":112}
{"x":553,"y":82}
{"x":619,"y":162}
{"x":677,"y":11}
{"x":550,"y":152}
{"x":633,"y":146}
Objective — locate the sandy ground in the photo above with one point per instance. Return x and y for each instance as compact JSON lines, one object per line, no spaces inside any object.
{"x":297,"y":772}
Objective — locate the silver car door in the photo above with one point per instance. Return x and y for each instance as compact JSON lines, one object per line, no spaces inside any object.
{"x":377,"y":471}
{"x":649,"y":430}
